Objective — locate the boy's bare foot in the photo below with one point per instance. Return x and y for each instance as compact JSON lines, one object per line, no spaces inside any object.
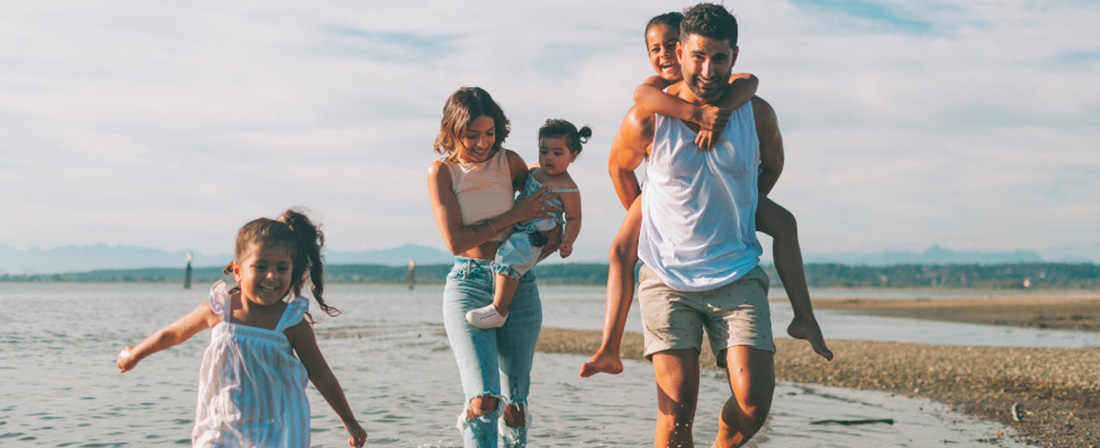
{"x":486,"y":317}
{"x":602,"y":362}
{"x":808,"y":329}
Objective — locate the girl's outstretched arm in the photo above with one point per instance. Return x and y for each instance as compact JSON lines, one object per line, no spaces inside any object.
{"x":201,"y":318}
{"x":304,"y":342}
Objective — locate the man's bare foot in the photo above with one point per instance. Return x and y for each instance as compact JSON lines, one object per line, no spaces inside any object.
{"x":806,"y":328}
{"x":602,"y":362}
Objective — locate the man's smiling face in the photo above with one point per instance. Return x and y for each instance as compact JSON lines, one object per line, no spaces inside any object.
{"x":706,"y":64}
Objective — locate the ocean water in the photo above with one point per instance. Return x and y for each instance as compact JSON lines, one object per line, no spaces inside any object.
{"x":59,"y":385}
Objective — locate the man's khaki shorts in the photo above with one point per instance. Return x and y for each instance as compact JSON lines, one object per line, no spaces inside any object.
{"x":736,"y":314}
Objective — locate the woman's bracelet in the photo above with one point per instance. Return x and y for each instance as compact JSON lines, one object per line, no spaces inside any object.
{"x":491,"y":226}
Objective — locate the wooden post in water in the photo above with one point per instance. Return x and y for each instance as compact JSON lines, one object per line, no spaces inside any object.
{"x":412,"y":273}
{"x":187,"y":273}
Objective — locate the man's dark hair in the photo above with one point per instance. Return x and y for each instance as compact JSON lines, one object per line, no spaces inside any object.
{"x":669,"y":19}
{"x":709,"y":20}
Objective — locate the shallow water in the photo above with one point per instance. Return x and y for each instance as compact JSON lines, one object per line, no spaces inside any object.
{"x":60,"y":386}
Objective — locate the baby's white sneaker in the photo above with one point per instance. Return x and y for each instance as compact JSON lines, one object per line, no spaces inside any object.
{"x":485,"y":317}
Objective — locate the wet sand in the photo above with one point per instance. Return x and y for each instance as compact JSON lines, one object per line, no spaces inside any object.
{"x":1057,"y":391}
{"x":1064,"y":312}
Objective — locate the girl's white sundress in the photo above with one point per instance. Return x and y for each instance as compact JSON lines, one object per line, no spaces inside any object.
{"x":252,"y":389}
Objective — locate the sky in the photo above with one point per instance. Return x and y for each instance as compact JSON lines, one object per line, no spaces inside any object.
{"x":972,"y":125}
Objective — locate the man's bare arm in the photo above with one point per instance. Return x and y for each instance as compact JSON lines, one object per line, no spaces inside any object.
{"x":627,"y":152}
{"x":771,"y":145}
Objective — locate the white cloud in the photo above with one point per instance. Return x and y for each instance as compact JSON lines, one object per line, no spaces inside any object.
{"x":170,"y":126}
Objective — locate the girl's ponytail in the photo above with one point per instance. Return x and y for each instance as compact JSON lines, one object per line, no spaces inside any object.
{"x":309,"y":241}
{"x":583,"y":135}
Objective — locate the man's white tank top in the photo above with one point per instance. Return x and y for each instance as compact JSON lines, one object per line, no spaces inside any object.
{"x":699,"y":207}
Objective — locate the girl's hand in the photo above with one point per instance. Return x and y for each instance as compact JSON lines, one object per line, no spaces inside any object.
{"x":531,"y":207}
{"x":566,"y":249}
{"x":126,"y":360}
{"x":358,"y":435}
{"x":712,"y":121}
{"x":712,"y":117}
{"x":706,"y":139}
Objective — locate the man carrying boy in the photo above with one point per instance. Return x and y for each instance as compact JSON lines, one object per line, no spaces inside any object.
{"x":698,"y":238}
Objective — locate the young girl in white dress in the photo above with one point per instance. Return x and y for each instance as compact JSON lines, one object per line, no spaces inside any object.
{"x":251,"y":385}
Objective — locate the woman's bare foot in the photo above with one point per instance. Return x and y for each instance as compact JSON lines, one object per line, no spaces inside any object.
{"x":806,"y":328}
{"x":603,"y":362}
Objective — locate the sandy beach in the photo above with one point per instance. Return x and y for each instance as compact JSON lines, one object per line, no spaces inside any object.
{"x":1056,"y":391}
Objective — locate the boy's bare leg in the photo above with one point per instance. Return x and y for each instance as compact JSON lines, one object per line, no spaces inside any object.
{"x":504,"y":288}
{"x":752,"y":381}
{"x":622,"y":258}
{"x":677,"y":373}
{"x":774,"y":220}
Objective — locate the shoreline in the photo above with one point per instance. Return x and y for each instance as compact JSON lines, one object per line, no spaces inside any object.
{"x":1059,"y":312}
{"x":1057,"y":390}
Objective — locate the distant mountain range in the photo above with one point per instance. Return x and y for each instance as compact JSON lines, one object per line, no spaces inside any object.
{"x":101,"y":256}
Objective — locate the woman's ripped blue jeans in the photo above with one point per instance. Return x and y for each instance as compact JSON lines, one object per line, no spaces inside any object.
{"x":494,"y":362}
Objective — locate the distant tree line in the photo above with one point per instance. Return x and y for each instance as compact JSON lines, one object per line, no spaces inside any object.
{"x":820,"y":275}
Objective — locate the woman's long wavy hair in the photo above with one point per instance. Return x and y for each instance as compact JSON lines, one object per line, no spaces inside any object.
{"x":461,"y":109}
